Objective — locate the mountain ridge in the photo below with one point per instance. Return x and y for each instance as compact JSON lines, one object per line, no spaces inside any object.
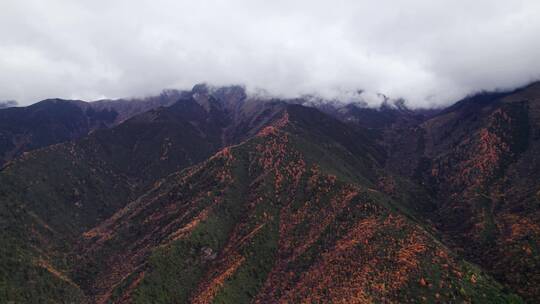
{"x":223,"y":198}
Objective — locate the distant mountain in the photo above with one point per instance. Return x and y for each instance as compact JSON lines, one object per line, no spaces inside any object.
{"x":225,"y":198}
{"x":54,"y":121}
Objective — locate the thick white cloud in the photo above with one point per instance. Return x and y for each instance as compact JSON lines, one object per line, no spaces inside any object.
{"x":427,"y":51}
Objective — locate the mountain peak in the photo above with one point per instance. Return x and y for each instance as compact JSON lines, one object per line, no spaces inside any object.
{"x":213,"y":195}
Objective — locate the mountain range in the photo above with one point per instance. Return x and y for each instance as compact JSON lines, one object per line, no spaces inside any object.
{"x":214,"y":196}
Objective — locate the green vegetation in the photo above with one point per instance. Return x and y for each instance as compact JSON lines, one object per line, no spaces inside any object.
{"x":303,"y":212}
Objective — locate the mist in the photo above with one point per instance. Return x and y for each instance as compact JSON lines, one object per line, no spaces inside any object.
{"x":430,"y":53}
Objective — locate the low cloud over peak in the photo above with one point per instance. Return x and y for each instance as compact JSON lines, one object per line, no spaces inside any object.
{"x":427,"y":52}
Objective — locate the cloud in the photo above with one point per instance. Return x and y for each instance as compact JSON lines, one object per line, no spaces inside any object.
{"x":428,"y":52}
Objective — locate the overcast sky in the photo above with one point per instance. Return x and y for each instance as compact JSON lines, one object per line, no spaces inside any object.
{"x":428,"y":52}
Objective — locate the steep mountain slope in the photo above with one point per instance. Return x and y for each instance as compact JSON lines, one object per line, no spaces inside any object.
{"x":297,"y":206}
{"x":394,"y":126}
{"x":479,"y":159}
{"x":88,"y":179}
{"x":50,"y":196}
{"x":271,"y":221}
